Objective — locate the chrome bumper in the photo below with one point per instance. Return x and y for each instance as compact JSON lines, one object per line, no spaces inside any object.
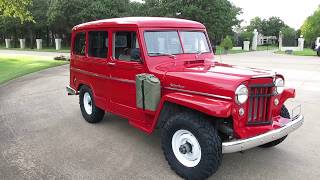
{"x":244,"y":144}
{"x":71,"y":91}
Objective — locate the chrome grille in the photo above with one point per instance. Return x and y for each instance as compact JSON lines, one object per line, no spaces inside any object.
{"x":259,"y":104}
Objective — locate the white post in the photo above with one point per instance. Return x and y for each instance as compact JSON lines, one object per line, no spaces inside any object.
{"x":280,"y":40}
{"x":300,"y":43}
{"x":246,"y":45}
{"x":39,"y":44}
{"x":58,"y":44}
{"x":22,"y":43}
{"x":255,"y":40}
{"x":8,"y":43}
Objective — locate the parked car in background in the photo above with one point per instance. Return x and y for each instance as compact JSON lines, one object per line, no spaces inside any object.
{"x":160,"y":73}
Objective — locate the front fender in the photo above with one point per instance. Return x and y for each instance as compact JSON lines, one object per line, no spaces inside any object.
{"x":213,"y":107}
{"x":286,"y":94}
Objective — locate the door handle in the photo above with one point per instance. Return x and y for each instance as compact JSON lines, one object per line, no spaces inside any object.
{"x":111,"y":63}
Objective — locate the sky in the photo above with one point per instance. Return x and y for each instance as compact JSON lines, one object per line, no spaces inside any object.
{"x":292,"y":12}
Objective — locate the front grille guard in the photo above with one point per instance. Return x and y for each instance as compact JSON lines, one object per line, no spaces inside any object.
{"x":259,"y":104}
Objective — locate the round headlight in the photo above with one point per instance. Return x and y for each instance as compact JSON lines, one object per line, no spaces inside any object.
{"x":279,"y":83}
{"x":241,"y":94}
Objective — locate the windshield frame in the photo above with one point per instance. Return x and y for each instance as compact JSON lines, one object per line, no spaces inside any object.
{"x":180,"y":40}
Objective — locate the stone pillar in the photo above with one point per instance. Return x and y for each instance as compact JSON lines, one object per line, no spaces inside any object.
{"x":58,"y":44}
{"x":246,"y":45}
{"x":300,"y":43}
{"x":39,"y":43}
{"x":255,"y":40}
{"x":8,"y":43}
{"x":280,"y":40}
{"x":22,"y":43}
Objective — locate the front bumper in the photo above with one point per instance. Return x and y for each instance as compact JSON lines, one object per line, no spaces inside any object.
{"x":244,"y":144}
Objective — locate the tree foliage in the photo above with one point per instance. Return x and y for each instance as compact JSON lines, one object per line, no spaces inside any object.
{"x":289,"y":36}
{"x":311,"y":27}
{"x":219,"y":16}
{"x":16,"y":9}
{"x":267,"y":27}
{"x":55,"y":18}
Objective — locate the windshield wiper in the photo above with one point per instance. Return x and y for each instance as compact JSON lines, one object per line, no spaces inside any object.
{"x":162,"y":54}
{"x":199,"y":53}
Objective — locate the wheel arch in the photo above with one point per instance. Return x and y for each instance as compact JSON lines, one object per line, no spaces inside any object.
{"x":178,"y":102}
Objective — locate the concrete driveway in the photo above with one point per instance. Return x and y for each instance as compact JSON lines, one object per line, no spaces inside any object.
{"x":43,"y":135}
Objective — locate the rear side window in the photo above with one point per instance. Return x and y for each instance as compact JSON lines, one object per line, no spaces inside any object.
{"x":80,"y":44}
{"x":98,"y":44}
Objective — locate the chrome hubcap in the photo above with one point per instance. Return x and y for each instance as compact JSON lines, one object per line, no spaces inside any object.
{"x":87,"y":103}
{"x":186,"y":148}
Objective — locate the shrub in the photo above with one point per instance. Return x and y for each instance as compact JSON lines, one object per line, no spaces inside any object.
{"x":227,"y":43}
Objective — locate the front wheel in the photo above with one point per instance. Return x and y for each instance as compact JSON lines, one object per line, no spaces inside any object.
{"x":191,"y":146}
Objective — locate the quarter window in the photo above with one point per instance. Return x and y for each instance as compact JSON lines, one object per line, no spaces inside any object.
{"x":80,"y":44}
{"x":98,"y":44}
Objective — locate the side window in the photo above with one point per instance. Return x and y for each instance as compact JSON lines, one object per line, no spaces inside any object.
{"x":80,"y":44}
{"x":126,"y":46}
{"x":98,"y":44}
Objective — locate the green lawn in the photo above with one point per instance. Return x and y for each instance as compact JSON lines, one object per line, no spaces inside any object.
{"x":220,"y":50}
{"x":12,"y":67}
{"x":63,"y":50}
{"x":305,"y":52}
{"x":259,"y":48}
{"x":265,"y":48}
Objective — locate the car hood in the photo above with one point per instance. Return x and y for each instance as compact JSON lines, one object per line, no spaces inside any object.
{"x":207,"y":76}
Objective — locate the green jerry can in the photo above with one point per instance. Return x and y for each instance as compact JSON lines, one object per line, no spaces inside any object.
{"x":148,"y":91}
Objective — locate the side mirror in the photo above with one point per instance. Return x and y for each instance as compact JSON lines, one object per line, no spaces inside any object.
{"x":135,"y":54}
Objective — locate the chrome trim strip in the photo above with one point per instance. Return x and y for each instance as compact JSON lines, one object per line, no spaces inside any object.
{"x":198,"y":93}
{"x":122,"y":80}
{"x":244,"y":144}
{"x":103,"y":76}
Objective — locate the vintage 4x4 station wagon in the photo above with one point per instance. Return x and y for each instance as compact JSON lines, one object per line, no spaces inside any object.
{"x":160,"y":73}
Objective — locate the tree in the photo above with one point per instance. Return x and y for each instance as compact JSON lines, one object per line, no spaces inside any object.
{"x":16,"y":9}
{"x":289,"y":36}
{"x":256,"y":23}
{"x":267,"y":27}
{"x":219,"y":16}
{"x":311,"y":27}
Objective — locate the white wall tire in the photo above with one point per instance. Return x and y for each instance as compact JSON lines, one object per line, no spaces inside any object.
{"x":191,"y":145}
{"x":90,"y":112}
{"x":186,"y":148}
{"x":87,"y":102}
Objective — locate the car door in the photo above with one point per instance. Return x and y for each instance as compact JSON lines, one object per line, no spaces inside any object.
{"x":92,"y":67}
{"x":124,"y":66}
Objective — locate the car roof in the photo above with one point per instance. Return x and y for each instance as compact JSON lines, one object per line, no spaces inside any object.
{"x":138,"y":22}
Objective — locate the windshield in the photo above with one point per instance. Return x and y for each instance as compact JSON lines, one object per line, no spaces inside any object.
{"x":168,"y":42}
{"x":194,"y":42}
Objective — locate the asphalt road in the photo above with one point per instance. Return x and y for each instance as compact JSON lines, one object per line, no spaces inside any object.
{"x":43,"y":135}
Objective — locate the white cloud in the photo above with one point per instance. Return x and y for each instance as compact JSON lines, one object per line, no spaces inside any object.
{"x":292,"y":12}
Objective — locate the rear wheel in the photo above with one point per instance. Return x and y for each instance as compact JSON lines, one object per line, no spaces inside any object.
{"x":318,"y":53}
{"x":284,"y":113}
{"x":191,"y":146}
{"x":89,"y":110}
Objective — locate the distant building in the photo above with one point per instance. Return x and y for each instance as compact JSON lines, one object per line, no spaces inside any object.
{"x":263,"y":40}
